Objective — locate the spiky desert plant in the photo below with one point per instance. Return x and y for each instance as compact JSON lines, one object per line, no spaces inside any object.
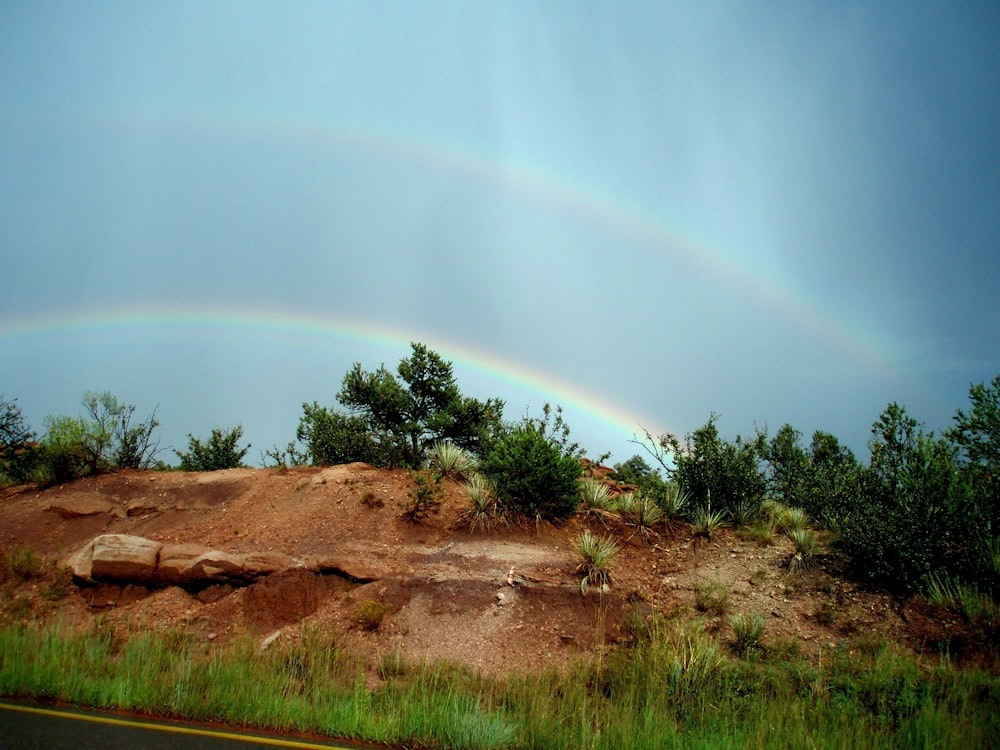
{"x":748,"y":627}
{"x":596,"y":554}
{"x":624,"y":504}
{"x":645,"y":515}
{"x":483,"y":512}
{"x":594,"y":495}
{"x":674,"y":501}
{"x":451,"y":460}
{"x":745,"y":510}
{"x":805,"y":544}
{"x":706,"y":521}
{"x":772,"y":508}
{"x":791,"y":519}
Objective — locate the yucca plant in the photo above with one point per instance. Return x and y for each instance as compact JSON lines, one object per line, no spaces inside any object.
{"x":748,"y":627}
{"x":645,"y":515}
{"x":596,"y":554}
{"x":451,"y":460}
{"x":745,"y":510}
{"x":706,"y":521}
{"x":483,"y":513}
{"x":624,"y":504}
{"x":594,"y":495}
{"x":805,"y":544}
{"x":674,"y":502}
{"x":792,"y":519}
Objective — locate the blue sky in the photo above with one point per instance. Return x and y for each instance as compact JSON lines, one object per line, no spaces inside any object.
{"x":648,"y":212}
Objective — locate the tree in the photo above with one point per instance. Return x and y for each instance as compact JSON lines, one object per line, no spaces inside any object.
{"x":977,"y":435}
{"x":18,"y":452}
{"x":406,"y":414}
{"x":914,"y":515}
{"x":220,"y":451}
{"x":532,"y":474}
{"x":711,"y":469}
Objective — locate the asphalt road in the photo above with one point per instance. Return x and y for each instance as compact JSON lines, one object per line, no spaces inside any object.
{"x":24,"y":727}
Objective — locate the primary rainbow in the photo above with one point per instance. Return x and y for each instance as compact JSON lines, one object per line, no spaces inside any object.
{"x":572,"y":398}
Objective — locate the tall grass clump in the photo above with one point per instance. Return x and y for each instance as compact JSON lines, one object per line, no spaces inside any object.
{"x":451,"y":460}
{"x":24,"y":563}
{"x":596,"y":554}
{"x":748,"y":628}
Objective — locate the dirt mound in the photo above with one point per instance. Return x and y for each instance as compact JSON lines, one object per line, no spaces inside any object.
{"x":509,"y":599}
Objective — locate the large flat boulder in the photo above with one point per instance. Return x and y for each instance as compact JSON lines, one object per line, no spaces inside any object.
{"x":121,"y":557}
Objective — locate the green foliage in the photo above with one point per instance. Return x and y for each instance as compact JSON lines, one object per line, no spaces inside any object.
{"x":451,"y":460}
{"x":596,"y":554}
{"x":24,"y":563}
{"x":706,"y":464}
{"x":823,"y":479}
{"x":483,"y":513}
{"x":532,"y":474}
{"x":425,"y":495}
{"x":420,"y":406}
{"x":977,"y":435}
{"x":707,"y":521}
{"x":748,"y":628}
{"x":107,"y":438}
{"x":18,"y":452}
{"x":220,"y":451}
{"x":712,"y":596}
{"x":916,"y":514}
{"x":333,"y":438}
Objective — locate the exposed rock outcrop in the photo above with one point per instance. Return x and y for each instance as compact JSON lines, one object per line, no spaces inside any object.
{"x":121,"y":558}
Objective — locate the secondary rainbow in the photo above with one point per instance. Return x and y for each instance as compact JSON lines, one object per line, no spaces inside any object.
{"x":576,"y":195}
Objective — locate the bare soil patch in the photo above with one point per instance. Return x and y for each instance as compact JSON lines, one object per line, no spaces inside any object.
{"x":497,"y":601}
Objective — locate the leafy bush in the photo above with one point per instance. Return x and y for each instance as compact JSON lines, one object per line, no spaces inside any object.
{"x":729,"y":472}
{"x":532,"y":475}
{"x":333,"y":438}
{"x":18,"y":453}
{"x":916,"y":515}
{"x":220,"y":451}
{"x":420,"y":406}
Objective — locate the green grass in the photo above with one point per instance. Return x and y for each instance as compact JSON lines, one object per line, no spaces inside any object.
{"x":676,"y":687}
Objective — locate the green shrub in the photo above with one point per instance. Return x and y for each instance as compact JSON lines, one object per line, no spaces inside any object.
{"x":333,"y":438}
{"x":24,"y":563}
{"x":532,"y":475}
{"x":220,"y":451}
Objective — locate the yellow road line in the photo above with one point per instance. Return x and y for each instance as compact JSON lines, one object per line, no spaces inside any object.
{"x":172,"y":728}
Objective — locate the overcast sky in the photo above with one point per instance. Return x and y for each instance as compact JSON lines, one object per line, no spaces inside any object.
{"x":645,"y":212}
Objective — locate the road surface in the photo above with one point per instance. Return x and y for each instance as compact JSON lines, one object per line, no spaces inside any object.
{"x":26,"y":727}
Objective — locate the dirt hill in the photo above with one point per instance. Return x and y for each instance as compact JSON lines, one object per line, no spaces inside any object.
{"x":508,"y":598}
